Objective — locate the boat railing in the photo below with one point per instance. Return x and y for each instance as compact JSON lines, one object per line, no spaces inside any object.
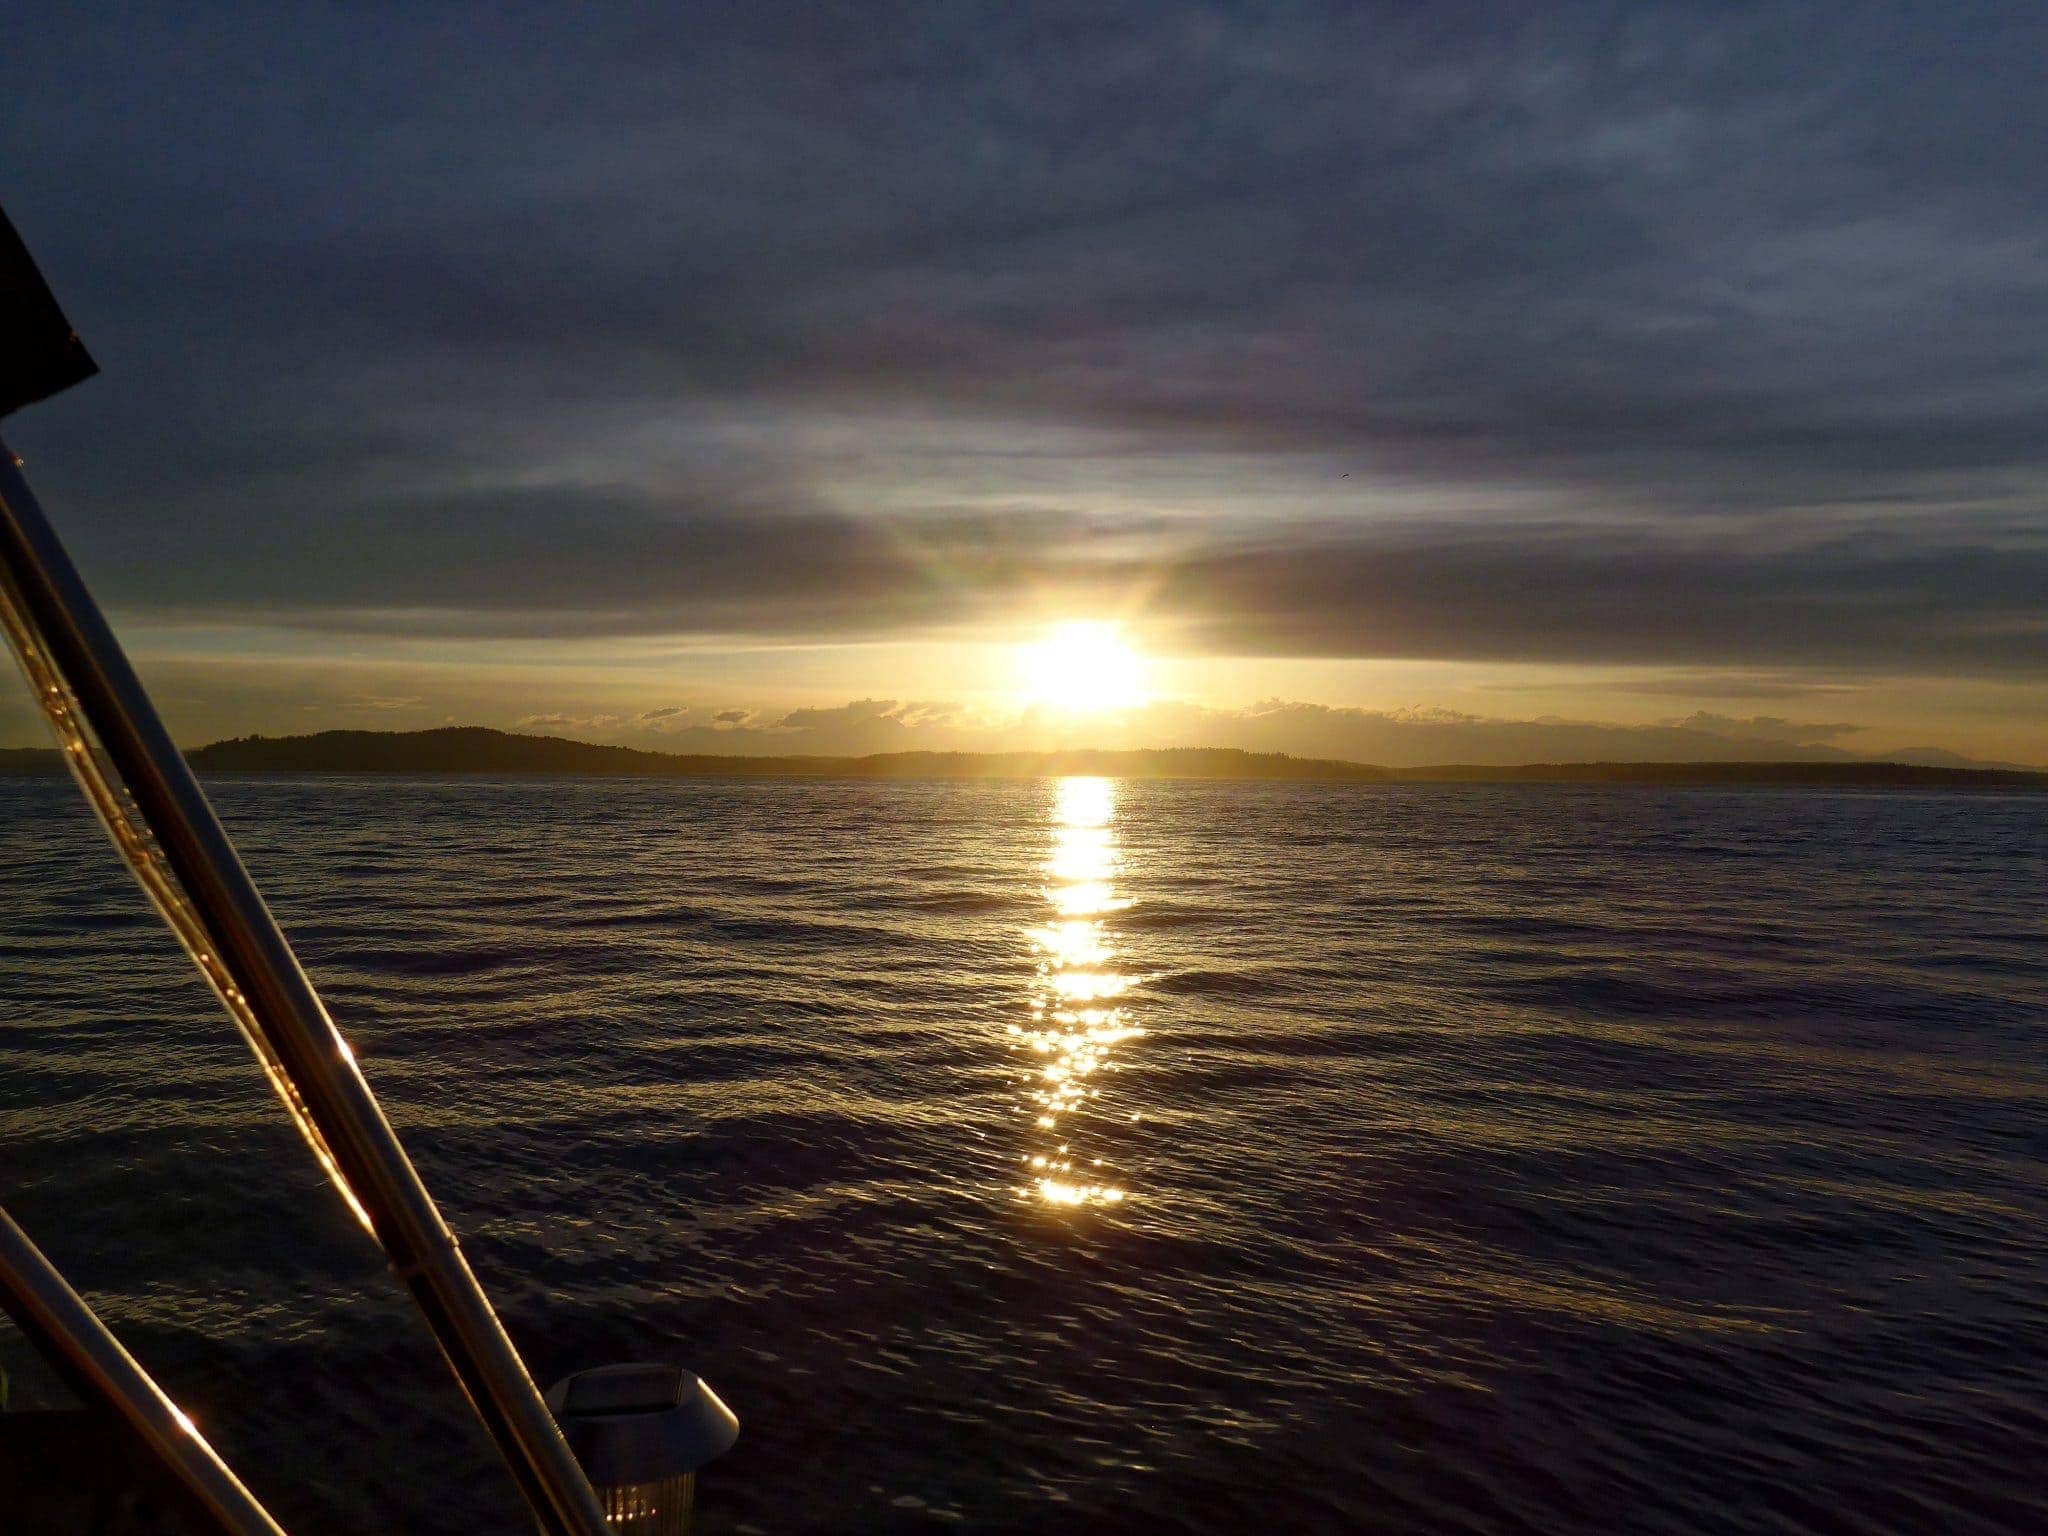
{"x":151,"y":804}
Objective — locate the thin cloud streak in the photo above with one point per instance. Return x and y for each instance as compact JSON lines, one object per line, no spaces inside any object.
{"x":1397,"y":738}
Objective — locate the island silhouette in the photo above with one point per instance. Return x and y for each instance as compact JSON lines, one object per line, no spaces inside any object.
{"x":480,"y":750}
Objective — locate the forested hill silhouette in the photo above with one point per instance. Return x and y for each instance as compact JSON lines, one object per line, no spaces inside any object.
{"x":480,"y":750}
{"x":475,"y":749}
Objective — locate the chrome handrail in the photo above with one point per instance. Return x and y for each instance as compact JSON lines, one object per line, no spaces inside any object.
{"x":54,"y":1316}
{"x":164,"y":827}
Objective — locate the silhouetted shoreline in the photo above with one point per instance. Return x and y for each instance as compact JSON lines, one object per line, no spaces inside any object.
{"x":463,"y":750}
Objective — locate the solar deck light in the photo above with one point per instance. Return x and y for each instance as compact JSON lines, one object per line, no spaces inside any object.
{"x":641,"y":1433}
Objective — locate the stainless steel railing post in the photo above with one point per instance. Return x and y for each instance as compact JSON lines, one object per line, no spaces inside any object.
{"x":53,"y":1315}
{"x":163,"y":825}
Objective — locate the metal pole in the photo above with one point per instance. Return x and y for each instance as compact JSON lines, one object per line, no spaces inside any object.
{"x":196,"y":876}
{"x":50,"y":1312}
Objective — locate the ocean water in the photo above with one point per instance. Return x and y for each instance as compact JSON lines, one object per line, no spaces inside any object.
{"x":1080,"y":1156}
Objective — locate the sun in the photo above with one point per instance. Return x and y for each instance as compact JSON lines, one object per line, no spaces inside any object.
{"x":1082,"y":668}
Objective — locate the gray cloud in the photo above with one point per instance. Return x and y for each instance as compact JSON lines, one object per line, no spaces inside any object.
{"x":557,"y":720}
{"x":510,"y":325}
{"x":1765,"y":728}
{"x":1850,"y":597}
{"x":1693,"y":685}
{"x":1863,"y":595}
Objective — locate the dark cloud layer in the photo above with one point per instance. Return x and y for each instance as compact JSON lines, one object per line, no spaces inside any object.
{"x":495,"y":321}
{"x":1866,"y":597}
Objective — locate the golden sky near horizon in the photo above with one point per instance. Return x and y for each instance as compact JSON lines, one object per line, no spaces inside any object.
{"x":1073,"y":682}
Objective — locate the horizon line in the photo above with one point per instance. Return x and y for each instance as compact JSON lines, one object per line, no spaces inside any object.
{"x":289,"y":754}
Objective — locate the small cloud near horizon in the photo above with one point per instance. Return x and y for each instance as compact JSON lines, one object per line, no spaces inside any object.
{"x":1401,"y":738}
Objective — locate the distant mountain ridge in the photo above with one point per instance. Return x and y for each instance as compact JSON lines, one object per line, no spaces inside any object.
{"x":479,"y":750}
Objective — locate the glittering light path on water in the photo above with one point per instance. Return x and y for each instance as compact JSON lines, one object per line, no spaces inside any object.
{"x":1076,"y":1021}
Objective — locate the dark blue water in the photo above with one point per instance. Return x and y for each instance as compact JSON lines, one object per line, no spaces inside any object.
{"x":1080,"y":1156}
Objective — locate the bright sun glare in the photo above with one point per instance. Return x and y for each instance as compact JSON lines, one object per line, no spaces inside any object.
{"x":1083,"y":669}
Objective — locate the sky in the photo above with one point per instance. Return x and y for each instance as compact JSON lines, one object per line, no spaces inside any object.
{"x":1406,"y":383}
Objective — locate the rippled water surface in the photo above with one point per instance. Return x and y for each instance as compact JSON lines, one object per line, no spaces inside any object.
{"x":1077,"y":1156}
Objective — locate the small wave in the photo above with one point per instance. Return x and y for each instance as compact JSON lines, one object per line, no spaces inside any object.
{"x":1157,"y":915}
{"x":965,"y":903}
{"x":1249,"y":983}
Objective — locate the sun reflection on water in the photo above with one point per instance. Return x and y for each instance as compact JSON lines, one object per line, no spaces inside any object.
{"x":1076,"y":1023}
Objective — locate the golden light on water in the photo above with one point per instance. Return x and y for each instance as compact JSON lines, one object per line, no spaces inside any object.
{"x":1082,"y":668}
{"x":1076,"y":1024}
